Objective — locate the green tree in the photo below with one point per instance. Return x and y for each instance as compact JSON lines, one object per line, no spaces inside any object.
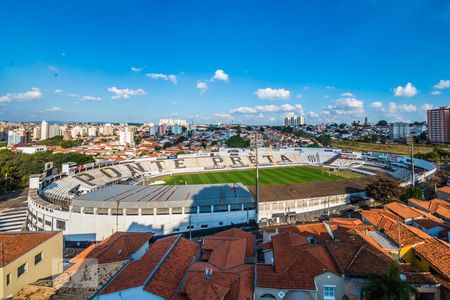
{"x":237,"y":141}
{"x":325,"y":140}
{"x":167,"y":145}
{"x":411,"y":192}
{"x":384,"y":189}
{"x":389,"y":286}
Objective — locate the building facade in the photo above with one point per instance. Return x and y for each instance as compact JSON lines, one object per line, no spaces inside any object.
{"x":438,"y":121}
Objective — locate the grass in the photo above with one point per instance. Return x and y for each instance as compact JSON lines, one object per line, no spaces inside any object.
{"x":268,"y":176}
{"x":387,"y":148}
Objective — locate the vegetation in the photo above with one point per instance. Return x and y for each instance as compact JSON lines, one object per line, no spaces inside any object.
{"x":411,"y":192}
{"x":325,"y":140}
{"x":15,"y":168}
{"x":59,"y":141}
{"x":384,"y":190}
{"x":271,"y":176}
{"x":434,"y":155}
{"x":402,"y":149}
{"x":237,"y":141}
{"x":388,"y":286}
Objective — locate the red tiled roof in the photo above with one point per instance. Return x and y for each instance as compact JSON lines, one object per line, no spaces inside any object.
{"x":444,"y":189}
{"x":136,"y":273}
{"x":427,"y":223}
{"x":228,"y":254}
{"x":437,"y":253}
{"x":118,"y":246}
{"x":236,"y":283}
{"x":170,"y":273}
{"x":402,"y":210}
{"x":14,"y":245}
{"x":310,"y":261}
{"x":237,"y":233}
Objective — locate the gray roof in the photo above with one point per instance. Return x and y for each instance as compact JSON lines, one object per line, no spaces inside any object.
{"x":131,"y":196}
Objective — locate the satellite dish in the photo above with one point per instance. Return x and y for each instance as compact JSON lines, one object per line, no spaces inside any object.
{"x":281,"y":294}
{"x":402,"y":277}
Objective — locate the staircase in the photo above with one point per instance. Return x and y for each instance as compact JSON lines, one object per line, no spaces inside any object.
{"x":13,"y":219}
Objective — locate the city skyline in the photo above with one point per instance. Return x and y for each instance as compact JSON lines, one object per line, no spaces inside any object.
{"x":211,"y":62}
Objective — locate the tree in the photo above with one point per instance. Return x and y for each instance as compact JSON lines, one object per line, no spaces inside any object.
{"x":384,"y":189}
{"x":325,"y":140}
{"x":382,"y":123}
{"x":237,"y":141}
{"x":389,"y":286}
{"x":411,"y":192}
{"x":167,"y":145}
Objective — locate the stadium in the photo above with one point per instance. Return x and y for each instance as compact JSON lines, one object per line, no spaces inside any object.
{"x":204,"y":191}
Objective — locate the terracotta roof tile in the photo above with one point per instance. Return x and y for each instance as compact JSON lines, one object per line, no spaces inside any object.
{"x":437,"y":253}
{"x":444,"y":189}
{"x":136,"y":273}
{"x":402,"y":210}
{"x":15,"y":244}
{"x":237,"y":233}
{"x":170,"y":273}
{"x":228,"y":254}
{"x":118,"y":246}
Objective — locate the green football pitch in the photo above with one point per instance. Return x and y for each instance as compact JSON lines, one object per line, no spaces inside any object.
{"x":267,"y":176}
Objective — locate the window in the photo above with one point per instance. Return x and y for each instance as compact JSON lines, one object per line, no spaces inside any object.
{"x":37,"y":258}
{"x":21,"y":270}
{"x":8,"y":279}
{"x":204,"y":226}
{"x":329,"y":292}
{"x":61,"y":225}
{"x":220,"y":223}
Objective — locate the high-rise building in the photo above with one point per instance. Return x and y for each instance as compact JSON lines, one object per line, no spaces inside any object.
{"x":108,"y":129}
{"x":294,"y":121}
{"x":162,"y":129}
{"x":399,"y":130}
{"x":14,"y":138}
{"x":44,"y":130}
{"x":152,"y":129}
{"x":53,"y":130}
{"x":36,"y":133}
{"x":177,"y":129}
{"x":92,"y":131}
{"x":438,"y":121}
{"x":126,"y":137}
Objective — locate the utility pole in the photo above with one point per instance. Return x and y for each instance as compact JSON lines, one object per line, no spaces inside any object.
{"x":413,"y":183}
{"x":257,"y":176}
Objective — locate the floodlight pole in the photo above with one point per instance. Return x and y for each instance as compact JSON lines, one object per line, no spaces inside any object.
{"x":257,"y":175}
{"x":412,"y":161}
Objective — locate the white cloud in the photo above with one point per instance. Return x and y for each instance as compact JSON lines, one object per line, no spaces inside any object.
{"x":408,"y":90}
{"x":91,"y":98}
{"x":297,"y":108}
{"x":125,"y":93}
{"x":299,"y":96}
{"x":376,"y":104}
{"x":393,"y":108}
{"x":329,"y":87}
{"x":172,"y":78}
{"x":136,"y":69}
{"x":54,"y":109}
{"x":347,"y":94}
{"x":58,"y":91}
{"x":73,"y":95}
{"x":33,"y":94}
{"x":442,"y":85}
{"x":436,"y":93}
{"x":222,"y":116}
{"x":220,"y":75}
{"x":273,"y":94}
{"x":202,"y":86}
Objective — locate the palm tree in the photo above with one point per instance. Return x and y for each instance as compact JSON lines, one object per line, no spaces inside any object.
{"x":5,"y":172}
{"x":389,"y":286}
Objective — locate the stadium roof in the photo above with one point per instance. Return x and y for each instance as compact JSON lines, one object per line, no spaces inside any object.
{"x":128,"y":196}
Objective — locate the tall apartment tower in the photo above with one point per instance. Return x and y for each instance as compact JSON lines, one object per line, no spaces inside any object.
{"x":438,"y":121}
{"x":44,"y":130}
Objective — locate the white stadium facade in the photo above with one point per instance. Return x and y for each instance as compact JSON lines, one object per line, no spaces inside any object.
{"x":89,"y":202}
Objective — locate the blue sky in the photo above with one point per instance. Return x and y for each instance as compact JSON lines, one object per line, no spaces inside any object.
{"x":241,"y":61}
